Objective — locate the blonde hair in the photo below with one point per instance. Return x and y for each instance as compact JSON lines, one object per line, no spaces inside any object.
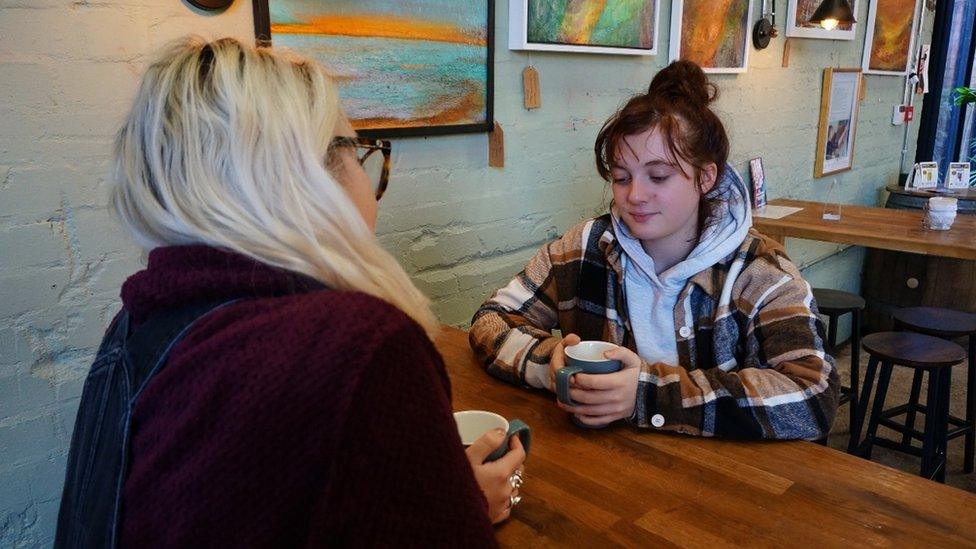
{"x":225,"y":146}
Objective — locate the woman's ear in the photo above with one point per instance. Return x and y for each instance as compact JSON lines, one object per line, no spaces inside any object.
{"x":708,"y":176}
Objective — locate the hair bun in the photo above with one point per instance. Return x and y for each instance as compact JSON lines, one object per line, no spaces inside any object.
{"x":683,"y":82}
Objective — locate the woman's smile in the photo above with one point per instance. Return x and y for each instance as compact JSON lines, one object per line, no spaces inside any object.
{"x":642,"y":217}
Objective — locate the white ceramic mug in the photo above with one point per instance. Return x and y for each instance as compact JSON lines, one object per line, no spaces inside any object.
{"x":472,"y":424}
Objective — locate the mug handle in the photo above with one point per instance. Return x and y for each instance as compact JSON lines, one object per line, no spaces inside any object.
{"x":518,"y":428}
{"x":562,"y":383}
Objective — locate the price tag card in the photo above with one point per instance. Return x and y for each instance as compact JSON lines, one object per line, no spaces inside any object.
{"x":959,"y":174}
{"x":926,"y":175}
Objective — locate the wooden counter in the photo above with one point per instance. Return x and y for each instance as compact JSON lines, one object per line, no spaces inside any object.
{"x":882,"y":228}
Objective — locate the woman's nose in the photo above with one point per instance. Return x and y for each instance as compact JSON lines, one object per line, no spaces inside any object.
{"x":638,"y":193}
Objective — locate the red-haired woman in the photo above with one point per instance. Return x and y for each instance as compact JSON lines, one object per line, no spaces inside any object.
{"x":717,"y":329}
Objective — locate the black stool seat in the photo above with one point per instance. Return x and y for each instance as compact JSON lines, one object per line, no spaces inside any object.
{"x":837,"y":301}
{"x":936,"y":321}
{"x":925,"y":354}
{"x":914,"y":350}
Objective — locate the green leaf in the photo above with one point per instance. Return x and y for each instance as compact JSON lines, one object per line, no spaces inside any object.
{"x":965,"y":95}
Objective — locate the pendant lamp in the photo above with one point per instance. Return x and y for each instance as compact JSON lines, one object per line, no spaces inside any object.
{"x":832,"y":13}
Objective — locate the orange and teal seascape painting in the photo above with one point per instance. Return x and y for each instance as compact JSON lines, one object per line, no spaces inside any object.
{"x":403,"y":67}
{"x":715,"y":33}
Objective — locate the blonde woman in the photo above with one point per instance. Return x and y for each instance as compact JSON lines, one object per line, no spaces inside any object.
{"x":271,"y":379}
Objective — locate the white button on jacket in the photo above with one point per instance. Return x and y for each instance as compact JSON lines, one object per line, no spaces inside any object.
{"x":657,"y":421}
{"x":684,"y":331}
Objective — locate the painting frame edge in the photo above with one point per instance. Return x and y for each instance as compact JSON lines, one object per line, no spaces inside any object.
{"x":869,"y":40}
{"x":792,"y":31}
{"x":674,"y":46}
{"x":822,"y":127}
{"x":518,"y":35}
{"x":262,"y":39}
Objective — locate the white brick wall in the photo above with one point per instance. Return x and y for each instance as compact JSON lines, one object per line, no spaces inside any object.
{"x":69,"y":67}
{"x":67,"y":72}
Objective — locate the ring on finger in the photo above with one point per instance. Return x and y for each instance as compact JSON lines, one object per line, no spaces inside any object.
{"x":513,"y":501}
{"x":516,"y":480}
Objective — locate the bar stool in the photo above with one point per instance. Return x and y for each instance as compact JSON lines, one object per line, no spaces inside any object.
{"x":920,"y":352}
{"x":834,"y":304}
{"x":945,"y":324}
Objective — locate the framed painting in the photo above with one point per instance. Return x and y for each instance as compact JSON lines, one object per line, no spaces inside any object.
{"x":839,"y":103}
{"x":890,"y":38}
{"x":715,"y":34}
{"x":626,"y":27}
{"x":798,"y":23}
{"x":403,"y":67}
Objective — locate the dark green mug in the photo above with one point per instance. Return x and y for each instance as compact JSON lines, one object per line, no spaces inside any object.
{"x":472,"y":424}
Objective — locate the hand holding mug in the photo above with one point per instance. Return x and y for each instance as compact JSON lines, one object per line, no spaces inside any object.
{"x":496,"y":449}
{"x":494,"y":477}
{"x":558,"y":360}
{"x":604,"y":383}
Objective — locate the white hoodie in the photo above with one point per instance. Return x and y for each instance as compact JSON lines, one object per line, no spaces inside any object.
{"x":651,"y":297}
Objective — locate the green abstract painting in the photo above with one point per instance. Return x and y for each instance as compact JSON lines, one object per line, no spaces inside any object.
{"x":606,"y":23}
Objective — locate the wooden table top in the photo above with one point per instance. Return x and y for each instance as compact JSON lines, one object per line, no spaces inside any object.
{"x":873,"y":227}
{"x":632,"y":487}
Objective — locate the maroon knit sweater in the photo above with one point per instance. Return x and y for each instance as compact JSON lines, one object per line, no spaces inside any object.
{"x":297,"y":417}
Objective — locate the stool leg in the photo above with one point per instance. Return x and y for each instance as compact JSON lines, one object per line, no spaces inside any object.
{"x":906,"y":439}
{"x":877,"y":409}
{"x":832,"y":334}
{"x":970,"y":405}
{"x":933,"y":407}
{"x":944,"y":425}
{"x":853,"y":445}
{"x":855,"y":360}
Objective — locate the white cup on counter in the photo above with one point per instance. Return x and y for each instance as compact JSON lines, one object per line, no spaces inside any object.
{"x":940,"y":213}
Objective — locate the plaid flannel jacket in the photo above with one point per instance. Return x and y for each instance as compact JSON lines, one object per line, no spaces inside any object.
{"x":750,"y":344}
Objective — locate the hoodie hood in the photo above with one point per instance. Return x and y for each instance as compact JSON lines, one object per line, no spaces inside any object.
{"x":724,"y":233}
{"x":651,"y":298}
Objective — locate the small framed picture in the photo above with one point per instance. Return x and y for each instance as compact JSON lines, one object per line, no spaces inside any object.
{"x":839,"y":105}
{"x":959,"y":175}
{"x":758,"y":176}
{"x":798,"y":23}
{"x":924,"y":52}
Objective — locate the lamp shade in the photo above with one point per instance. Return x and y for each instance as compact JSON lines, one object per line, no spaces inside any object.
{"x":835,"y":11}
{"x":211,"y":4}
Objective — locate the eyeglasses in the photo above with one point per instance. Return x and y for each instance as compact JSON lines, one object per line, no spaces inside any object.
{"x":376,"y":166}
